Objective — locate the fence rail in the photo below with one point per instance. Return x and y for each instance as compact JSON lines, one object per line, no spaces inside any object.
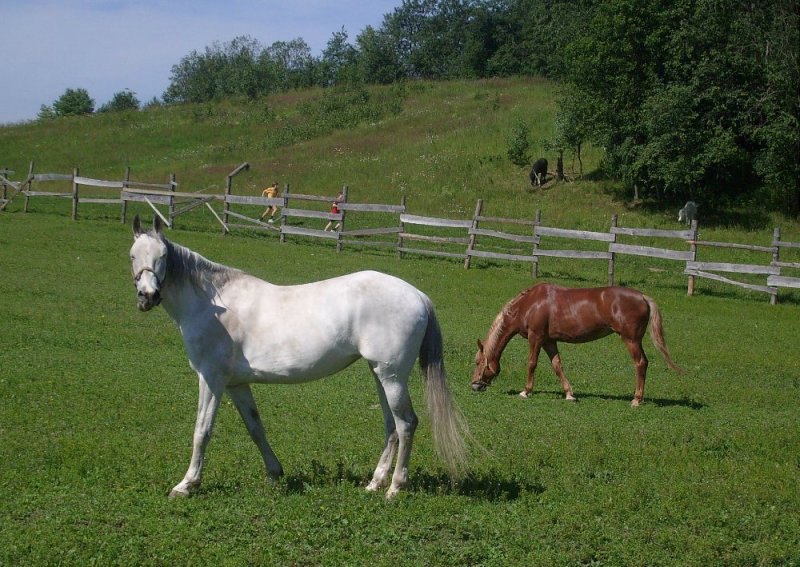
{"x":463,"y":239}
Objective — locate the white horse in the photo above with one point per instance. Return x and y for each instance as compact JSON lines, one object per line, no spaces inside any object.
{"x":226,"y":318}
{"x":688,"y":213}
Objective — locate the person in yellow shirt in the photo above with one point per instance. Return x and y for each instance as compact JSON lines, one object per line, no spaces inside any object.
{"x":270,"y":193}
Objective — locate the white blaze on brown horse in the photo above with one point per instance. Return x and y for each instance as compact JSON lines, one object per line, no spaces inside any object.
{"x":546,"y":314}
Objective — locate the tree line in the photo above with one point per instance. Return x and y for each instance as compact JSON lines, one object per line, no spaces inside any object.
{"x":690,"y":99}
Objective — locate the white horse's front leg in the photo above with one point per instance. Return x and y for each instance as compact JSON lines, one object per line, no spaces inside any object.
{"x":207,"y":405}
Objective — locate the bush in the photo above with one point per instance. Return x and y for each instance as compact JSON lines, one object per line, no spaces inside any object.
{"x":121,"y":101}
{"x":74,"y":102}
{"x":519,"y":144}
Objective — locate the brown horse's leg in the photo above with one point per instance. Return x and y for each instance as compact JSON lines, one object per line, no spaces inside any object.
{"x":533,"y":360}
{"x":640,"y":363}
{"x":555,"y":360}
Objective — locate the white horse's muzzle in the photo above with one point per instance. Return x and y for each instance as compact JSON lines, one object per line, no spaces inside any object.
{"x":148,"y":289}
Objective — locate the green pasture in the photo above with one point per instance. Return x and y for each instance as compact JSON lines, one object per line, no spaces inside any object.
{"x":97,"y":400}
{"x":98,"y":407}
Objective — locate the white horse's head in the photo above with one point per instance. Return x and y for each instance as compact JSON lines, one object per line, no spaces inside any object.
{"x":148,"y":264}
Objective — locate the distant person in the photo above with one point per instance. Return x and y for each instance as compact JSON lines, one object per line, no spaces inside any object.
{"x":335,"y":211}
{"x":270,"y":193}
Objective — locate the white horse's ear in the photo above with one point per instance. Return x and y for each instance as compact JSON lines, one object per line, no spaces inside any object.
{"x":137,"y":226}
{"x":157,"y":225}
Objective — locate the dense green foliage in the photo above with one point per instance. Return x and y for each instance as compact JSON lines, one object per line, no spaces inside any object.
{"x":693,"y":99}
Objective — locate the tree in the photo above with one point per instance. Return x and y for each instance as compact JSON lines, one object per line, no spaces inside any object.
{"x":377,"y":60}
{"x":338,"y":62}
{"x":683,"y":98}
{"x":74,"y":102}
{"x":121,"y":101}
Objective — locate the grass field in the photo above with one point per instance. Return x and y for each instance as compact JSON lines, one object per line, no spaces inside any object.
{"x":98,"y":410}
{"x":98,"y":399}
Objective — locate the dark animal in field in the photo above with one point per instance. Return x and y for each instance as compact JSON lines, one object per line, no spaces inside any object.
{"x":539,"y":172}
{"x":546,"y":313}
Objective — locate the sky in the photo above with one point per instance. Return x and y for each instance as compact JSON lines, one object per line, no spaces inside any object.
{"x":107,"y":46}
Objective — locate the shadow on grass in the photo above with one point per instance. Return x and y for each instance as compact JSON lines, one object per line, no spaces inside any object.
{"x":491,"y":486}
{"x":660,"y":402}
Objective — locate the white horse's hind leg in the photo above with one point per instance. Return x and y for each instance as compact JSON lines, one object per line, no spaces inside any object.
{"x":406,"y":422}
{"x":243,"y":399}
{"x":381,"y":475}
{"x":400,"y":422}
{"x":207,"y":405}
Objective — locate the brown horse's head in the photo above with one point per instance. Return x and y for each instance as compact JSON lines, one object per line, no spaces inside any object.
{"x":485,"y":369}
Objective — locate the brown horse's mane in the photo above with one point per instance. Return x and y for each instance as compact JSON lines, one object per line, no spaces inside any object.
{"x":505,"y":325}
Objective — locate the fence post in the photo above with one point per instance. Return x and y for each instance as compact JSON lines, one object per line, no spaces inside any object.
{"x":173,"y":184}
{"x":776,"y":239}
{"x":30,"y":181}
{"x":612,"y":260}
{"x":74,"y":194}
{"x":776,"y":257}
{"x":283,"y":217}
{"x":341,"y":223}
{"x":125,"y":183}
{"x":228,"y":190}
{"x":693,"y":250}
{"x":471,"y":245}
{"x":402,"y":228}
{"x":536,"y":223}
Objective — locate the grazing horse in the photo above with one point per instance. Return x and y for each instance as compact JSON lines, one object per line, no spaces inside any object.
{"x":546,"y":314}
{"x":227,"y":317}
{"x":688,"y":213}
{"x":538,"y":172}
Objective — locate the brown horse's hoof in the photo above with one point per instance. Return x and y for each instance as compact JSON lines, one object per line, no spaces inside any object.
{"x":635,"y":403}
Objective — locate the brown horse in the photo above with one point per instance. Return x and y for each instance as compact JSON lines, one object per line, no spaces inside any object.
{"x":546,"y":314}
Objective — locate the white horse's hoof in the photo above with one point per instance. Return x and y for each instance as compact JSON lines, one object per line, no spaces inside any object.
{"x":179,"y":493}
{"x":392,"y":492}
{"x":373,"y":486}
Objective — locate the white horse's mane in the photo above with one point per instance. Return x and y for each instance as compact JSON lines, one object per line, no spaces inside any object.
{"x":186,"y":265}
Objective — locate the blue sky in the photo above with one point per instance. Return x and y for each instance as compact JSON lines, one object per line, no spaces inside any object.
{"x":105,"y":46}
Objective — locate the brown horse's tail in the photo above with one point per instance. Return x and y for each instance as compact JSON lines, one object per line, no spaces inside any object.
{"x":447,"y":422}
{"x":657,"y":334}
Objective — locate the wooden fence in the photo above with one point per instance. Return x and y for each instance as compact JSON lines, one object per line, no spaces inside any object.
{"x":392,"y":226}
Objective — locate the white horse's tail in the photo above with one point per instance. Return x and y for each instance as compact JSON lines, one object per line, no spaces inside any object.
{"x":447,"y":422}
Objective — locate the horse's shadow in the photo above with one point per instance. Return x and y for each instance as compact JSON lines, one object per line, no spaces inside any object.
{"x":660,"y":402}
{"x":490,"y":486}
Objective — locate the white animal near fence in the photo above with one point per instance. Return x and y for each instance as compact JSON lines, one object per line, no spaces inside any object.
{"x":226,"y":318}
{"x":688,"y":213}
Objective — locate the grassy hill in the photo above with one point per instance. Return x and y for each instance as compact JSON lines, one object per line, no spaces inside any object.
{"x":441,"y":144}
